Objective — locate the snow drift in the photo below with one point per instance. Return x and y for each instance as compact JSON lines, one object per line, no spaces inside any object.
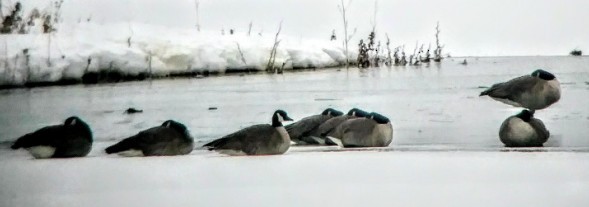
{"x":89,"y":52}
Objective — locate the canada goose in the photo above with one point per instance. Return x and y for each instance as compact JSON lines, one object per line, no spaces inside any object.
{"x":536,"y":91}
{"x":327,"y":128}
{"x":523,"y":130}
{"x":171,"y":138}
{"x":299,"y":131}
{"x":261,"y":139}
{"x":329,"y":125}
{"x":71,"y":139}
{"x":375,"y":130}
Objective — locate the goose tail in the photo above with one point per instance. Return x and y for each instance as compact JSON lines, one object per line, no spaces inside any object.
{"x":216,"y":143}
{"x":119,"y":147}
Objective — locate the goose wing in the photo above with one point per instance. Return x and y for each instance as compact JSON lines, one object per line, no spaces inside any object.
{"x":512,"y":89}
{"x":359,"y":128}
{"x":538,"y":125}
{"x":45,"y":136}
{"x":248,"y":139}
{"x":157,"y":138}
{"x":304,"y":126}
{"x":328,"y":126}
{"x":152,"y":138}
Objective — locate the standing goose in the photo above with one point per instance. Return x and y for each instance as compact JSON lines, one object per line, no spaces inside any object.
{"x":301,"y":130}
{"x":171,"y":138}
{"x":373,"y":131}
{"x":536,"y":91}
{"x":261,"y":139}
{"x":523,"y":130}
{"x":71,"y":139}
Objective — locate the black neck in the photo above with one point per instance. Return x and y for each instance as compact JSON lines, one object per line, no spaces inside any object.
{"x":525,"y":115}
{"x":275,"y":121}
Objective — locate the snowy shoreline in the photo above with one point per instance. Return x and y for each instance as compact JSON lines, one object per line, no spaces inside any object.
{"x":94,"y":53}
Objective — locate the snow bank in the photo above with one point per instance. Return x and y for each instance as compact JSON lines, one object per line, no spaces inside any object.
{"x":301,"y":177}
{"x":87,"y":50}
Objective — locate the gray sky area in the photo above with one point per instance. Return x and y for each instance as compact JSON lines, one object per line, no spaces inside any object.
{"x":498,"y":27}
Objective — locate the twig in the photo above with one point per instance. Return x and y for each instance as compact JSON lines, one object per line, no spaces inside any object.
{"x":374,"y":16}
{"x":438,"y":51}
{"x":197,"y":3}
{"x":249,"y":30}
{"x":241,"y":54}
{"x":1,"y":13}
{"x":130,"y":36}
{"x":149,"y":68}
{"x":342,"y":10}
{"x":6,"y":64}
{"x":272,"y":59}
{"x":49,"y":49}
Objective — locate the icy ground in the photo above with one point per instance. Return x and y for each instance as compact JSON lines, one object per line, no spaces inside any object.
{"x":445,"y":150}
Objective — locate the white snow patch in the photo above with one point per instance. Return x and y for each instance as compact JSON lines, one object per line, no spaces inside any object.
{"x":300,"y":178}
{"x":88,"y":47}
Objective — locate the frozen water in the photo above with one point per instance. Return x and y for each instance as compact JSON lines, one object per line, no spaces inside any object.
{"x":428,"y":105}
{"x":445,"y":149}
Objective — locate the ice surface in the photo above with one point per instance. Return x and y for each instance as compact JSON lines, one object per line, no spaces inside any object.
{"x":445,"y":150}
{"x":300,"y":178}
{"x":438,"y":104}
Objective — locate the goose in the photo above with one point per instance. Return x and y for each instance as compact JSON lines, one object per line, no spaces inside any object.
{"x":300,"y":131}
{"x":261,"y":139}
{"x":73,"y":138}
{"x":324,"y":130}
{"x":170,"y":138}
{"x":523,"y":130}
{"x":375,"y":130}
{"x":328,"y":126}
{"x":535,"y":91}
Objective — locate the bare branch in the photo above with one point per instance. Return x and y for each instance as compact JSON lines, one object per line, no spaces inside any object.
{"x":131,"y":35}
{"x":241,"y":54}
{"x":49,"y":49}
{"x":342,"y":10}
{"x":272,"y":59}
{"x":1,"y":13}
{"x":197,"y":3}
{"x":374,"y":16}
{"x":249,"y":30}
{"x":438,"y":51}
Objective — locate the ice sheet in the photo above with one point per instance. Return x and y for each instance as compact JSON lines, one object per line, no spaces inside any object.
{"x":445,"y":150}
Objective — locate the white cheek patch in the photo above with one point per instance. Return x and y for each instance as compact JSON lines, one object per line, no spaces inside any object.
{"x":73,"y":122}
{"x":41,"y":152}
{"x":168,"y":124}
{"x":280,"y":118}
